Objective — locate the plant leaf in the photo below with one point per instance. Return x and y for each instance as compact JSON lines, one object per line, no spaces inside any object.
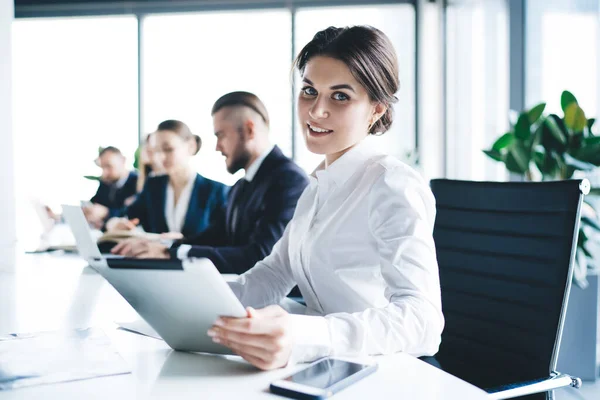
{"x":591,"y":141}
{"x":536,"y":112}
{"x":566,"y":99}
{"x":575,"y":117}
{"x":136,"y":158}
{"x":539,"y":158}
{"x":512,"y":165}
{"x":590,"y":123}
{"x":554,"y":129}
{"x":589,"y":153}
{"x":586,"y":252}
{"x":503,"y":141}
{"x":592,"y":223}
{"x":521,"y":158}
{"x":523,"y":127}
{"x":494,"y":154}
{"x":577,"y":164}
{"x":92,"y":178}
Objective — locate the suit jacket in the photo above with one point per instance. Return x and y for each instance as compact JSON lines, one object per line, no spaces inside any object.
{"x":117,"y":201}
{"x":207,"y":203}
{"x":263,"y":211}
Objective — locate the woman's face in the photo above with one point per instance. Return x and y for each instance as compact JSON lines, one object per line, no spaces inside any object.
{"x":154,"y":158}
{"x":171,"y":151}
{"x":334,"y":110}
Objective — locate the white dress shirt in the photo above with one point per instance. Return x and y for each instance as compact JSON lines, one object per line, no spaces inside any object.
{"x":253,"y":169}
{"x":121,"y":182}
{"x":175,"y":213}
{"x":184,"y":249}
{"x":360,"y":247}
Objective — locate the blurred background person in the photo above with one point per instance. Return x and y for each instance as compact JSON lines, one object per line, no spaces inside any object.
{"x":181,"y":202}
{"x":149,"y":162}
{"x":260,"y":204}
{"x":117,"y":184}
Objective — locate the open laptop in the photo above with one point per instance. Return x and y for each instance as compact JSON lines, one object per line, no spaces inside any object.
{"x":181,"y":300}
{"x":86,"y":244}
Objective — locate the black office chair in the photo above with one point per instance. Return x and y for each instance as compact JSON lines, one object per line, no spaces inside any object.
{"x":505,"y":252}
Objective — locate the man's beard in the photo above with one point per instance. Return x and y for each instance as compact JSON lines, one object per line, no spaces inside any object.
{"x":242,"y":157}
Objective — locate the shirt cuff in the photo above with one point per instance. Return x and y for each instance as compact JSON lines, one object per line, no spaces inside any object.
{"x":311,"y":338}
{"x":183,"y":250}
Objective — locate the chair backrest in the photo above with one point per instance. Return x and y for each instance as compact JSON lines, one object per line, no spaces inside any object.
{"x":505,"y":252}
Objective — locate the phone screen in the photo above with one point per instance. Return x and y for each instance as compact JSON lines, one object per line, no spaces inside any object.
{"x":326,"y":373}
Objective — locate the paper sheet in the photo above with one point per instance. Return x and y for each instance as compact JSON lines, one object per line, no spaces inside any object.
{"x":31,"y":359}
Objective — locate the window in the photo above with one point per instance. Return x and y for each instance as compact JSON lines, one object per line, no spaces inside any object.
{"x":75,"y":89}
{"x":190,"y":60}
{"x":398,"y":22}
{"x":477,"y":87}
{"x":562,"y":53}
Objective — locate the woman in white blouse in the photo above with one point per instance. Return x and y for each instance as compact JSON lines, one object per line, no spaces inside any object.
{"x":181,"y":202}
{"x":360,"y":245}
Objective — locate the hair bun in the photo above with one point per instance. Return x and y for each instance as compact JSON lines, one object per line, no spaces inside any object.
{"x":198,"y":143}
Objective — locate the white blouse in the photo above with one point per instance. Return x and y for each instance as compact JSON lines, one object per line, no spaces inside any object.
{"x":175,"y":213}
{"x":360,"y":247}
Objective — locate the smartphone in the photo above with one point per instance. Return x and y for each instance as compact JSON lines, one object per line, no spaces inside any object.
{"x":322,"y":379}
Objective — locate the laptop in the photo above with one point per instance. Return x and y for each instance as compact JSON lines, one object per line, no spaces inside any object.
{"x":181,"y":300}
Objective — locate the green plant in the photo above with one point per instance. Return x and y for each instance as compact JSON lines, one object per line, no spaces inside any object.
{"x":553,"y":148}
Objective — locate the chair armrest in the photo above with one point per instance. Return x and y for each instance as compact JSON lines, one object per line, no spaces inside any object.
{"x":555,"y":381}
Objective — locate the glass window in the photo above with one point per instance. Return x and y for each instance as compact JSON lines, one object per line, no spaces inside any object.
{"x":190,"y":60}
{"x":75,"y":89}
{"x":477,"y":87}
{"x":562,"y":53}
{"x":398,"y":22}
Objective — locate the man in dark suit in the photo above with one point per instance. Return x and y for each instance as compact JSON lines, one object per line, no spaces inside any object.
{"x":117,"y":185}
{"x":259,"y":206}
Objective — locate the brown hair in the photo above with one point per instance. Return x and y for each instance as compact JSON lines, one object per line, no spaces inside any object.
{"x":371,"y":58}
{"x":109,"y":149}
{"x":243,"y":99}
{"x":181,"y":129}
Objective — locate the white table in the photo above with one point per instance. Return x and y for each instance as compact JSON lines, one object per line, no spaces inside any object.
{"x":50,"y":292}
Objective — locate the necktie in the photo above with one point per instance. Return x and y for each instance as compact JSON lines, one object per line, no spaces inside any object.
{"x":112,"y":192}
{"x":237,"y":204}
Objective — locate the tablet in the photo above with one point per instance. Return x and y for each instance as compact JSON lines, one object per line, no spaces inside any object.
{"x":181,"y":300}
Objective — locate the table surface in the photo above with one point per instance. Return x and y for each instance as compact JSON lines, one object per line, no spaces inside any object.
{"x":47,"y":292}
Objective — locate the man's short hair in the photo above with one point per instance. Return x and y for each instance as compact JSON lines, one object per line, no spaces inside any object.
{"x":242,"y":99}
{"x":110,"y":149}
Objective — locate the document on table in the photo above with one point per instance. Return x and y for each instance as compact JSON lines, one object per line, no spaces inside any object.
{"x":31,"y":359}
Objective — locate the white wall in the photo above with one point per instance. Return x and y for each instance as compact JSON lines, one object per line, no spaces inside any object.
{"x":7,"y":182}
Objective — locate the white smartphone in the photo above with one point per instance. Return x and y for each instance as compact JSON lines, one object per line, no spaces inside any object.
{"x":322,"y":379}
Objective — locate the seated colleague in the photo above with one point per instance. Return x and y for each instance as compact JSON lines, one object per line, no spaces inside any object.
{"x":116,"y":185}
{"x":360,"y":245}
{"x":150,"y":163}
{"x":181,"y":202}
{"x":260,"y":205}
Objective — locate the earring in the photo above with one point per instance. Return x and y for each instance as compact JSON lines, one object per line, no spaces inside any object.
{"x":371,"y":123}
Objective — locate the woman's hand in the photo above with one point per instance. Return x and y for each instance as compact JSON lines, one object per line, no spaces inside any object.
{"x":121,"y":224}
{"x":95,"y":214}
{"x":141,"y":248}
{"x":171,"y":235}
{"x":263,"y":338}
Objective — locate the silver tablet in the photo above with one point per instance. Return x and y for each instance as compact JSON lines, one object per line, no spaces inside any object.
{"x":181,"y":300}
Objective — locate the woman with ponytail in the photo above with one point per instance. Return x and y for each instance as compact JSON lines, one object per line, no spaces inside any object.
{"x":181,"y":202}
